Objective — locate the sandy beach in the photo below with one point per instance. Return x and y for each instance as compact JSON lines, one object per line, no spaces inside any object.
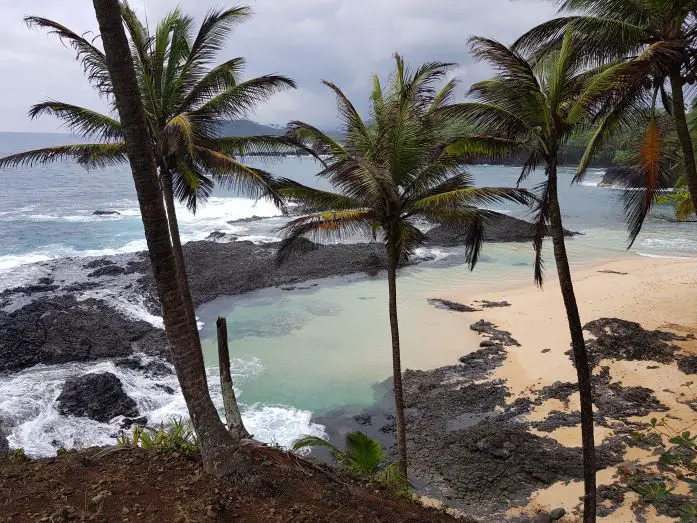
{"x":657,"y":293}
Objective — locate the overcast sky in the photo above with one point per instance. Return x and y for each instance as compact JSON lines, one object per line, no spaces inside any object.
{"x":345,"y":41}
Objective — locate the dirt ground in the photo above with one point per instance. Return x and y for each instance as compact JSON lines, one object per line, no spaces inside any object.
{"x":132,"y":484}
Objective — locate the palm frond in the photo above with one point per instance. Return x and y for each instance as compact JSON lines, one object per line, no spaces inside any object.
{"x":541,"y":222}
{"x":219,"y":79}
{"x":357,"y":133}
{"x":506,"y":62}
{"x":238,"y":101}
{"x":241,"y":146}
{"x":321,"y":227}
{"x":444,"y":197}
{"x":89,"y":156}
{"x":311,"y":199}
{"x":315,"y":441}
{"x":365,"y":454}
{"x":190,"y":184}
{"x":315,"y":141}
{"x":80,"y":120}
{"x":90,"y":57}
{"x":179,"y":136}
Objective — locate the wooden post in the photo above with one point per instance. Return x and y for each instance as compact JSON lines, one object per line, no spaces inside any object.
{"x":232,"y":411}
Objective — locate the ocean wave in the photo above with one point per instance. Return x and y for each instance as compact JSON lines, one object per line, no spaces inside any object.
{"x":28,"y":405}
{"x":669,"y":244}
{"x":665,"y":256}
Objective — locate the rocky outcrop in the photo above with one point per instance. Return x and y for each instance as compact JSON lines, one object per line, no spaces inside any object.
{"x":62,"y":329}
{"x":622,"y":177}
{"x":96,"y":396}
{"x":106,"y":213}
{"x":499,"y":228}
{"x":4,"y":444}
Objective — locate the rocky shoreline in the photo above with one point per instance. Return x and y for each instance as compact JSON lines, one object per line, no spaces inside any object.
{"x":470,"y":441}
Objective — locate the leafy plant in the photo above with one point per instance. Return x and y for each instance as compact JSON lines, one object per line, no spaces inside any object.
{"x":177,"y":435}
{"x":677,"y":465}
{"x":363,"y":457}
{"x":18,"y":454}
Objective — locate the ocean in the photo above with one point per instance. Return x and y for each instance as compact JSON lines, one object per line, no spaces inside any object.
{"x":295,"y":352}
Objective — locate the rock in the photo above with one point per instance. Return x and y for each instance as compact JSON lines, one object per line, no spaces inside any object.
{"x":622,"y":177}
{"x":542,"y":518}
{"x":106,"y":213}
{"x":626,"y":340}
{"x":487,"y":343}
{"x":450,"y":305}
{"x":254,"y":218}
{"x":688,"y":364}
{"x":498,"y":228}
{"x":486,"y":304}
{"x":557,"y":513}
{"x":4,"y":444}
{"x":489,"y":329}
{"x":107,"y":270}
{"x":61,"y":329}
{"x":127,"y":423}
{"x":151,"y":368}
{"x":216,"y":235}
{"x":96,"y":396}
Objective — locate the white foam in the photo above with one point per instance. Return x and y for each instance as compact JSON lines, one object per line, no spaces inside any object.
{"x":672,"y":244}
{"x":590,"y":183}
{"x":27,"y":403}
{"x":431,"y":253}
{"x":664,"y":256}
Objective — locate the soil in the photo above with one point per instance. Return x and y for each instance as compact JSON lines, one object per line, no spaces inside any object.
{"x":132,"y":484}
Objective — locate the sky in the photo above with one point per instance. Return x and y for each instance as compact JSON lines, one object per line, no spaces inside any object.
{"x":345,"y":41}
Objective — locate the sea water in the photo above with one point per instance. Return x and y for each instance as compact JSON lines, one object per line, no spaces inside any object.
{"x":295,"y":351}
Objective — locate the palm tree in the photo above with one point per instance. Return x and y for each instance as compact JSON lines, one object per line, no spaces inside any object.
{"x":536,"y":108}
{"x":612,"y":29}
{"x":392,"y":174}
{"x":185,"y":98}
{"x":363,"y":457}
{"x":220,"y":454}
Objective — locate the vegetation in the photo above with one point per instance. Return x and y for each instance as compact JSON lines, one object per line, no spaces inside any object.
{"x":363,"y":457}
{"x":177,"y":435}
{"x":389,"y":174}
{"x":656,"y":35}
{"x":218,"y":449}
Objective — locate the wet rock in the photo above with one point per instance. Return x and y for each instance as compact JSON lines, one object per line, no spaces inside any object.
{"x":107,"y":270}
{"x":254,"y":218}
{"x":500,"y":336}
{"x":450,"y":305}
{"x":61,"y":329}
{"x":4,"y":444}
{"x":96,"y":396}
{"x":127,"y":423}
{"x":625,"y":340}
{"x":152,"y":368}
{"x":81,"y":286}
{"x":99,"y":262}
{"x":106,"y":213}
{"x":623,"y":177}
{"x":497,"y":228}
{"x":166,"y":388}
{"x":29,"y":290}
{"x":482,"y":362}
{"x":216,"y":235}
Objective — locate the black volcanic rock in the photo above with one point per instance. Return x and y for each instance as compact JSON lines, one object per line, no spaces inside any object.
{"x":622,"y":177}
{"x":61,"y":329}
{"x":96,"y":396}
{"x":498,"y":228}
{"x":105,"y":213}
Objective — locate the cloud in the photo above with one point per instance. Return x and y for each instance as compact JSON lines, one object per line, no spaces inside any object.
{"x":345,"y":41}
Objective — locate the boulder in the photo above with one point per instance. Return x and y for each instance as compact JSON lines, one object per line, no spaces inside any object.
{"x":497,"y":228}
{"x":107,"y":270}
{"x":557,"y":513}
{"x":106,"y":213}
{"x":622,"y":177}
{"x":96,"y":396}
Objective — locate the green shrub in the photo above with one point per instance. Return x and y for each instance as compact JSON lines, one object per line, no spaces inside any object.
{"x":177,"y":435}
{"x":18,"y":454}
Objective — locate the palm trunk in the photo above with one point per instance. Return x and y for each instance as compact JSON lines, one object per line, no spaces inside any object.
{"x":392,"y":260}
{"x":232,"y":409}
{"x":684,"y":134}
{"x":166,"y":177}
{"x":578,"y":346}
{"x":218,"y":449}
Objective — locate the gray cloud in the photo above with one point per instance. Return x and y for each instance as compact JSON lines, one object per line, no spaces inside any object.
{"x":345,"y":41}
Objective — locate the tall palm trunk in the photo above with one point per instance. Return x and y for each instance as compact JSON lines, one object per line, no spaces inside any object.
{"x":578,"y":346}
{"x":683,"y":130}
{"x":392,"y":260}
{"x":219,"y":453}
{"x":166,"y":177}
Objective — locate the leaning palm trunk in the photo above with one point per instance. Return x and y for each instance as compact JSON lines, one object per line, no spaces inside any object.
{"x":683,"y":131}
{"x":578,"y":347}
{"x":219,"y":453}
{"x":166,"y":180}
{"x":392,"y":260}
